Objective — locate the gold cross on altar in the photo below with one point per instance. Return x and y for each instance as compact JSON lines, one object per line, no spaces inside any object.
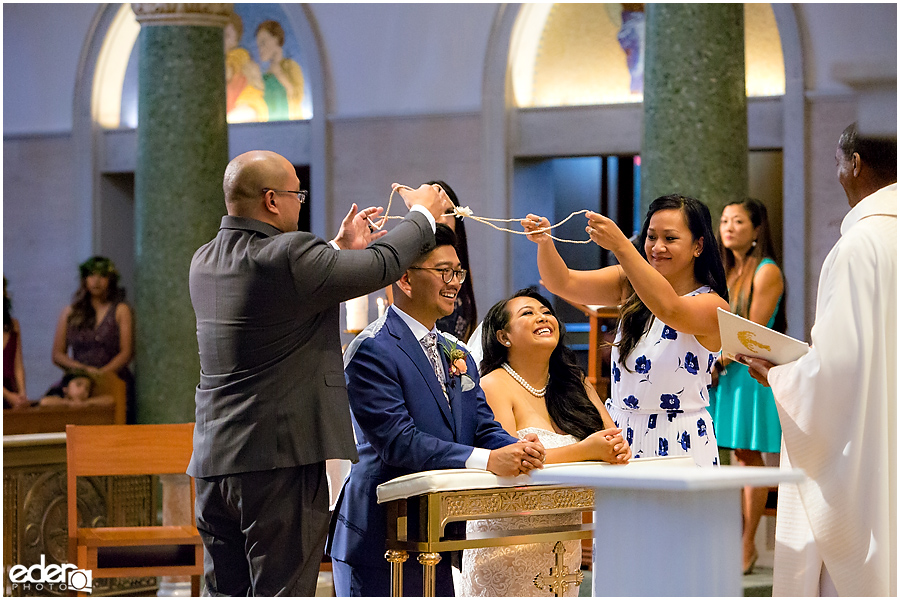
{"x":560,"y":579}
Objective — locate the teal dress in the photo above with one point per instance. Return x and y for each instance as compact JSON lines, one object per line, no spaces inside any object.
{"x":743,"y":411}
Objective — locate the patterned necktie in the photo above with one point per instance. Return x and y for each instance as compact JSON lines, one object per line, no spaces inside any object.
{"x":429,"y":343}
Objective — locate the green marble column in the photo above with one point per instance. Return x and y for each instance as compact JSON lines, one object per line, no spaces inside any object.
{"x":695,"y":104}
{"x":182,"y":154}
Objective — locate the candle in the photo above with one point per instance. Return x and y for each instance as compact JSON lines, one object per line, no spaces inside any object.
{"x":380,"y":302}
{"x":357,"y":313}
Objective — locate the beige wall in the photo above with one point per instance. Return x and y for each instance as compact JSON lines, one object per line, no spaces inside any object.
{"x":368,"y":154}
{"x":826,"y":202}
{"x":46,"y":234}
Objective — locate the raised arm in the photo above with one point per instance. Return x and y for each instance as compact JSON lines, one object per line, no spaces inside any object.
{"x":329,"y":276}
{"x":600,"y":286}
{"x":695,"y":315}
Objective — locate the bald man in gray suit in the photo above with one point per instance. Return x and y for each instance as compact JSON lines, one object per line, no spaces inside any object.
{"x":272,"y":402}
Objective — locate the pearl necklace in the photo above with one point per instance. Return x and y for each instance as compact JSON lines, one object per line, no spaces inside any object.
{"x":540,"y":393}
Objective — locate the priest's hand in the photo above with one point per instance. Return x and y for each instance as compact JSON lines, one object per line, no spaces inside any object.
{"x":356,"y":232}
{"x":758,"y":368}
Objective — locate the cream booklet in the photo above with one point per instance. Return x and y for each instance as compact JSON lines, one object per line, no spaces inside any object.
{"x":741,"y":336}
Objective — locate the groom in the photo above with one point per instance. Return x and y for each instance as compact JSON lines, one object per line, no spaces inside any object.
{"x":413,"y":413}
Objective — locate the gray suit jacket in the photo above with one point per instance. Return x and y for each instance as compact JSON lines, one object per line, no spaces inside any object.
{"x":272,"y":391}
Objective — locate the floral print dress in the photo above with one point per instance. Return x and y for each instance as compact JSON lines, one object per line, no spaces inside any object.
{"x":660,"y":400}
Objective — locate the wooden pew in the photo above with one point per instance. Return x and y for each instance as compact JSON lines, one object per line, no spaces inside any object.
{"x":50,"y":419}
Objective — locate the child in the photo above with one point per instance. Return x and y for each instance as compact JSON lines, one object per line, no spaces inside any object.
{"x":75,"y":390}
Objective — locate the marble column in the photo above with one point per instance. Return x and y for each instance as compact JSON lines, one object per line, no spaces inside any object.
{"x":181,"y":157}
{"x":695,"y":104}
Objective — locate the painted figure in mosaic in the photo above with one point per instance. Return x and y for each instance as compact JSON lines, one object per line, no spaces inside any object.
{"x":631,"y":39}
{"x":244,"y":87}
{"x":284,"y":79}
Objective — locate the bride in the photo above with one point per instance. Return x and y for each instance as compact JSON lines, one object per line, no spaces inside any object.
{"x":533,"y":385}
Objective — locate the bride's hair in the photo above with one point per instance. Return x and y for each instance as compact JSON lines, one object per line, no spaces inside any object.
{"x":567,"y":401}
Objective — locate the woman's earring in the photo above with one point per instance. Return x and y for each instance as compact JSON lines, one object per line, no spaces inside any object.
{"x":754,"y":243}
{"x":506,"y":343}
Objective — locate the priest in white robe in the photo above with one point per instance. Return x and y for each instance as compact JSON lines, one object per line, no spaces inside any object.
{"x":836,"y":533}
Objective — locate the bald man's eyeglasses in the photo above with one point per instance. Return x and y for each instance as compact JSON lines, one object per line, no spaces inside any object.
{"x":301,"y":194}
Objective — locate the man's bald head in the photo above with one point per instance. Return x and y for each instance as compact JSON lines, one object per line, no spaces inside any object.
{"x":246,"y":176}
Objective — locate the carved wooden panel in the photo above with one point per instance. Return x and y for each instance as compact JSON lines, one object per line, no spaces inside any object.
{"x":34,"y":519}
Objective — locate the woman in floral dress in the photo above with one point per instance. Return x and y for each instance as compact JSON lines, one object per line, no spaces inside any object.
{"x":668,"y":287}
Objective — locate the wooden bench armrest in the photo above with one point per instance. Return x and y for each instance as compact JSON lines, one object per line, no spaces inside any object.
{"x":138,"y":536}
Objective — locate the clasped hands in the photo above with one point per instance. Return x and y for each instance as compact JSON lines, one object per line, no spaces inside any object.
{"x":358,"y":228}
{"x":609,"y":446}
{"x":518,"y":458}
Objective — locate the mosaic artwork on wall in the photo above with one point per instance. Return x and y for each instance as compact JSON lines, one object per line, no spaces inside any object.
{"x":263,"y":67}
{"x":592,"y":54}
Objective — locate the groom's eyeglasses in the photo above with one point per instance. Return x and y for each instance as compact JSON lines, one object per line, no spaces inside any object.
{"x":447,"y":274}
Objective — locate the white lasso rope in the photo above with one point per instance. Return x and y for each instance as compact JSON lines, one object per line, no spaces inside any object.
{"x":464,"y":212}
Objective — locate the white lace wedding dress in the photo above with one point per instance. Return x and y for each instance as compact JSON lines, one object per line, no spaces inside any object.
{"x":510,"y":570}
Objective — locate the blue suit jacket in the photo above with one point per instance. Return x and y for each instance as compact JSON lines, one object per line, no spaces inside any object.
{"x":403,"y":425}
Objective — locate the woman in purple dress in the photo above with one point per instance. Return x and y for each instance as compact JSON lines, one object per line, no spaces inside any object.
{"x":97,"y":327}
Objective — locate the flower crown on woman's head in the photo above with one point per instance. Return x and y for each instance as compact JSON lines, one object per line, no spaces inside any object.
{"x":99,"y":265}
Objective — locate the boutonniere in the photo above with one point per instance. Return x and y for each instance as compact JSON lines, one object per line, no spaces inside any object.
{"x":456,"y":358}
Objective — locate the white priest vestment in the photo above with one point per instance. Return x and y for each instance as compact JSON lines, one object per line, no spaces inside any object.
{"x":838,"y":411}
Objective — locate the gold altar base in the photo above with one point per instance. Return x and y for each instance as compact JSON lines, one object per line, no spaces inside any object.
{"x":560,"y":579}
{"x":437,"y":509}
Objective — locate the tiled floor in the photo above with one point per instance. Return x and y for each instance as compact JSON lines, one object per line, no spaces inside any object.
{"x":758,"y":584}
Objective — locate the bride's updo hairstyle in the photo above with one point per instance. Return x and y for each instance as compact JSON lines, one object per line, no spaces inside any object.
{"x":567,"y":402}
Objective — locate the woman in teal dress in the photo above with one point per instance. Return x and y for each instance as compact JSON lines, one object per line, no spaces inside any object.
{"x":743,"y":411}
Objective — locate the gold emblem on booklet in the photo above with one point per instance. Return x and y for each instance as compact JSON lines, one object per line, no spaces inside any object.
{"x":749,"y":341}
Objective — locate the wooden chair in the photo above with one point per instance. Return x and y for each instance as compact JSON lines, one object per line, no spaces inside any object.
{"x":108,"y":450}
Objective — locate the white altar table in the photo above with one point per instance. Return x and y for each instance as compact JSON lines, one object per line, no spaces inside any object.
{"x":668,"y":532}
{"x":419,"y":507}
